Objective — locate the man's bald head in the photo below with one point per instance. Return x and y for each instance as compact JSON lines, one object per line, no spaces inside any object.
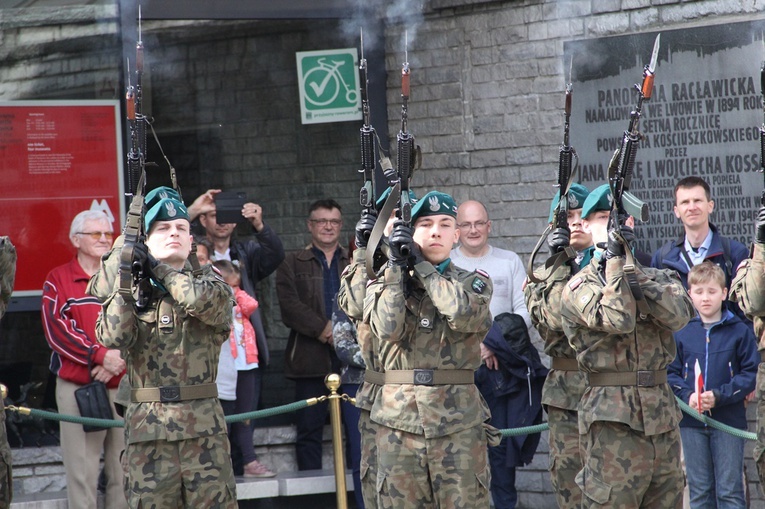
{"x":475,"y":226}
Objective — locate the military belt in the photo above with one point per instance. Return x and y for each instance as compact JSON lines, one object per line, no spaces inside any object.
{"x":628,"y":378}
{"x":564,"y":364}
{"x":173,"y":393}
{"x":421,"y":377}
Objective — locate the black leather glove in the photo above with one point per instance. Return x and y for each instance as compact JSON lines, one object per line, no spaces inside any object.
{"x":364,"y":227}
{"x":615,"y":248}
{"x":759,"y":234}
{"x":400,"y":241}
{"x":415,"y":256}
{"x":558,"y":240}
{"x":143,"y":260}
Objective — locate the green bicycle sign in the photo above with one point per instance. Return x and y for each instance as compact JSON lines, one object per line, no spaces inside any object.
{"x":329,"y":85}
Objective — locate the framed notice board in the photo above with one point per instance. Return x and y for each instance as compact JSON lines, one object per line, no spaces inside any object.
{"x":57,"y":158}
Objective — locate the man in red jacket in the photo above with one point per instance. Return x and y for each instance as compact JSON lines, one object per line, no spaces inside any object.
{"x":69,"y":319}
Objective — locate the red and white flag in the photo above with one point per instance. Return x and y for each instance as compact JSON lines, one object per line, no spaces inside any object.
{"x":699,"y":384}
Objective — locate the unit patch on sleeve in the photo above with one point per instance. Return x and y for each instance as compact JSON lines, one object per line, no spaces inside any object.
{"x":478,"y":285}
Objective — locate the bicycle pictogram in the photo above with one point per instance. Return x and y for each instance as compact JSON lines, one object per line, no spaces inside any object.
{"x":324,"y":82}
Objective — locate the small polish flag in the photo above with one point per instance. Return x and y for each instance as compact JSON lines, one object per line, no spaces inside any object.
{"x":699,"y":383}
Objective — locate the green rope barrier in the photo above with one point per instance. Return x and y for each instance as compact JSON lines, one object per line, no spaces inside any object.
{"x":268,"y":412}
{"x":713,"y":423}
{"x":528,"y":430}
{"x":298,"y":405}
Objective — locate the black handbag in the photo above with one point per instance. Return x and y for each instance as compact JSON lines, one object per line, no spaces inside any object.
{"x":93,"y":401}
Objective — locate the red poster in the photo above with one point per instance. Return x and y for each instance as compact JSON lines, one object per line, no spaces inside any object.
{"x":57,"y":158}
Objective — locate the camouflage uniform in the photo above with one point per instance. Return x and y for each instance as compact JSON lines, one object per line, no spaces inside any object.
{"x":630,"y":435}
{"x":177,"y":452}
{"x":7,"y":276}
{"x":431,"y":441}
{"x":748,"y":290}
{"x":350,"y":298}
{"x":563,"y":387}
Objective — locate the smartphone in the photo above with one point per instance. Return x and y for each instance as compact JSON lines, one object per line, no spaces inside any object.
{"x":228,"y":206}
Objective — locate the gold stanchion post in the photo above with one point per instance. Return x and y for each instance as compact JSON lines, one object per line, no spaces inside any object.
{"x":332,"y":381}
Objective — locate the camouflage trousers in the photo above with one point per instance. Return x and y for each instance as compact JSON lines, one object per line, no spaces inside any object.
{"x":190,"y":473}
{"x":449,"y":472}
{"x":759,"y":447}
{"x":625,"y":468}
{"x":6,"y":477}
{"x":565,"y":456}
{"x":368,"y":431}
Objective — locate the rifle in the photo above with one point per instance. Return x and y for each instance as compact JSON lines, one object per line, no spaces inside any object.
{"x":408,"y":159}
{"x":134,"y":286}
{"x":367,"y":138}
{"x":762,"y":127}
{"x":407,"y":152}
{"x":620,"y":175}
{"x":566,"y":170}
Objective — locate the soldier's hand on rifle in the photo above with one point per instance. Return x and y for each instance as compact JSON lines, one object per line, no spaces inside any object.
{"x":143,"y":260}
{"x":614,"y":247}
{"x":400,"y":240}
{"x":365,"y":226}
{"x":759,"y":234}
{"x":558,"y":240}
{"x":415,"y":255}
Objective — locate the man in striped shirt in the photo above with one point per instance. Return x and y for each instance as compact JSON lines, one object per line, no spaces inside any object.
{"x":69,"y":319}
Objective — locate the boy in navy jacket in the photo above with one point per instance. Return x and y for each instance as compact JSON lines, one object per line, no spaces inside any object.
{"x":726,"y":352}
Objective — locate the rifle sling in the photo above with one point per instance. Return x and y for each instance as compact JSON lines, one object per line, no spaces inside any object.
{"x":379,"y":228}
{"x":132,"y":236}
{"x":630,"y":273}
{"x":552,"y":263}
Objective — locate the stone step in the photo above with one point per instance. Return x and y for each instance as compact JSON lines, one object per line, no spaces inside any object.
{"x":285,"y":484}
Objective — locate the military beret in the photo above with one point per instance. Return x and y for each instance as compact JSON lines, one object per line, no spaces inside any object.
{"x":576,"y":196}
{"x":384,"y":196}
{"x":159,"y":193}
{"x":599,"y":199}
{"x":166,"y":209}
{"x":434,"y":203}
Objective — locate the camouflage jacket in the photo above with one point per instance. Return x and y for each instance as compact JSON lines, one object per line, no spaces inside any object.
{"x":7,"y":272}
{"x":601,"y":321}
{"x":748,"y":290}
{"x":350,"y":298}
{"x":175,"y":340}
{"x":429,"y":321}
{"x":562,"y":389}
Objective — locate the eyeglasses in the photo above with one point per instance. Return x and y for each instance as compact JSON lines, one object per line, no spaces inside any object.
{"x":97,"y":235}
{"x":324,"y":222}
{"x":478,"y":225}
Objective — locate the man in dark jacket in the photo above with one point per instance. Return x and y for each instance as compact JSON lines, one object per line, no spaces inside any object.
{"x":513,"y":392}
{"x":700,"y":240}
{"x":256,"y":260}
{"x":306,"y":283}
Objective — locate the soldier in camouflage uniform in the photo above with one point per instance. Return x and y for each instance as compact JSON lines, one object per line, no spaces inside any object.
{"x":565,"y":384}
{"x":748,"y":290}
{"x":628,"y":416}
{"x":7,"y":276}
{"x":429,"y":318}
{"x":177,"y":451}
{"x":350,"y":299}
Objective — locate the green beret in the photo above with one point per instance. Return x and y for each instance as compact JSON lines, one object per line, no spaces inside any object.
{"x":576,"y":196}
{"x":167,"y":209}
{"x":159,"y":193}
{"x":599,"y":199}
{"x":434,"y":203}
{"x":384,"y":196}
